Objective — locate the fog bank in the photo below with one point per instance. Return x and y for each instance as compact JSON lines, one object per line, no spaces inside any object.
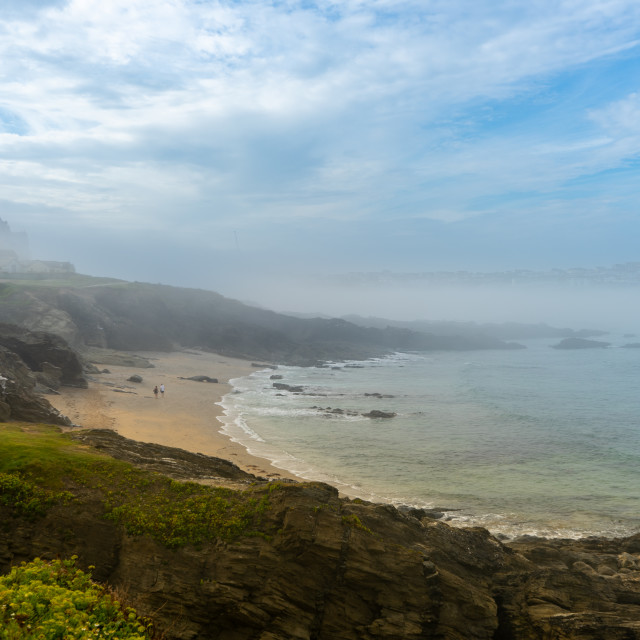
{"x":613,"y":309}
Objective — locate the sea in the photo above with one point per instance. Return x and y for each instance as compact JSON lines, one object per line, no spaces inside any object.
{"x":535,"y":441}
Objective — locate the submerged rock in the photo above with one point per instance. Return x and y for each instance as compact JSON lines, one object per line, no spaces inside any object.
{"x":281,"y":386}
{"x":379,"y":414}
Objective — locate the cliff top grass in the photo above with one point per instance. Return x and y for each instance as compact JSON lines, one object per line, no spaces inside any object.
{"x":69,"y":280}
{"x":41,"y":467}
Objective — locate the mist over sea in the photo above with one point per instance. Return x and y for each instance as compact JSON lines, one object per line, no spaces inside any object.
{"x":533,"y":441}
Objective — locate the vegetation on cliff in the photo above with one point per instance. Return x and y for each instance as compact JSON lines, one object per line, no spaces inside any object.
{"x":292,"y":560}
{"x":41,"y":467}
{"x":54,"y":600}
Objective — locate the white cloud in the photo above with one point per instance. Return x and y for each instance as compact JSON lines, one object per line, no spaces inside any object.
{"x":135,"y":111}
{"x":620,"y":118}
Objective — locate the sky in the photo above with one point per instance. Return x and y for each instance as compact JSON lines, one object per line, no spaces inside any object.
{"x":211,"y":143}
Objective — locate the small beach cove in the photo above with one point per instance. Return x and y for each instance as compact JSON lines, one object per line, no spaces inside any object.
{"x":185,"y":416}
{"x":533,"y":442}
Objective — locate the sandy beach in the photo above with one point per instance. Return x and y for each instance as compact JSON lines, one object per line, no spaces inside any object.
{"x":185,"y":416}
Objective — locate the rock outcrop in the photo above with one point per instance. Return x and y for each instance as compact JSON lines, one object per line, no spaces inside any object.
{"x":376,"y":413}
{"x":292,"y":388}
{"x":580,"y":343}
{"x":329,"y":568}
{"x":19,"y":399}
{"x":46,"y":353}
{"x":200,"y":379}
{"x":176,"y":463}
{"x":32,"y":363}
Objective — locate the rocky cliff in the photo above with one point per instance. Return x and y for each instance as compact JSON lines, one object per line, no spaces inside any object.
{"x":33,"y":363}
{"x":135,"y":316}
{"x":327,"y":568}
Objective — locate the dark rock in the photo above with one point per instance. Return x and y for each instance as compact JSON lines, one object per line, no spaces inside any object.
{"x":580,"y":343}
{"x":135,"y":378}
{"x":50,"y":376}
{"x":200,"y":379}
{"x":275,"y":376}
{"x":379,"y":414}
{"x":19,"y":399}
{"x":433,"y":514}
{"x":91,"y":368}
{"x":331,"y":411}
{"x":5,"y":411}
{"x":37,"y":348}
{"x":176,"y":463}
{"x":377,"y":395}
{"x":286,"y":387}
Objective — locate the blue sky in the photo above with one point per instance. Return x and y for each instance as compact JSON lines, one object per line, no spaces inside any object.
{"x":182,"y":140}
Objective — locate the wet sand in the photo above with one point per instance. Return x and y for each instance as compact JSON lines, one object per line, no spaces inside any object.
{"x":186,"y":416}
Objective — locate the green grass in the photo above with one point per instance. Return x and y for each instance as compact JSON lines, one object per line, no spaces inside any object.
{"x":56,"y":601}
{"x":27,"y":499}
{"x":41,"y":452}
{"x":69,"y":280}
{"x":41,"y":467}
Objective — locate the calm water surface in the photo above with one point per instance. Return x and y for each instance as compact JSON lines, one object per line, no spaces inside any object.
{"x":538,"y":441}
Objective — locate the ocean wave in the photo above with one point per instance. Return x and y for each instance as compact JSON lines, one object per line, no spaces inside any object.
{"x":495,"y":429}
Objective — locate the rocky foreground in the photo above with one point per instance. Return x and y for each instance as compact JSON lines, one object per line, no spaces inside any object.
{"x":329,"y":568}
{"x":323,"y":567}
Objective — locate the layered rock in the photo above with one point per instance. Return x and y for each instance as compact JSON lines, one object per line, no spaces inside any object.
{"x":45,"y":353}
{"x":32,"y":363}
{"x":328,"y":568}
{"x":19,"y":399}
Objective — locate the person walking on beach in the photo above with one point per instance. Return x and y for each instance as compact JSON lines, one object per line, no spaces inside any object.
{"x":155,"y":391}
{"x":162,"y":390}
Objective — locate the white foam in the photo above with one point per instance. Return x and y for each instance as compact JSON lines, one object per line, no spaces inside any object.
{"x":439,"y":408}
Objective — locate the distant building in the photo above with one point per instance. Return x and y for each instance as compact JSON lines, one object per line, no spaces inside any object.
{"x":9,"y":262}
{"x":14,"y":255}
{"x":47,"y":266}
{"x":11,"y":241}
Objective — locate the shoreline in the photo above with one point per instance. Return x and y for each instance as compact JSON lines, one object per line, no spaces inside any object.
{"x":187,"y":416}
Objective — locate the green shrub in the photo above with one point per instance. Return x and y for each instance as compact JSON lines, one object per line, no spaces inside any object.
{"x":40,"y":466}
{"x":56,"y":601}
{"x":179,"y":513}
{"x":25,"y":497}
